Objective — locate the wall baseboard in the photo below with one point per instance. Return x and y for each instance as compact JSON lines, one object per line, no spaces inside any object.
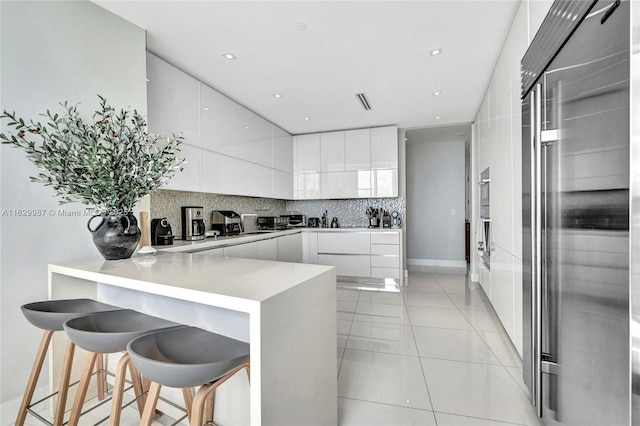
{"x":437,"y":262}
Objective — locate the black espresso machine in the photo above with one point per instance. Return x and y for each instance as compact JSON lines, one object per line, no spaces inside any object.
{"x":161,"y":234}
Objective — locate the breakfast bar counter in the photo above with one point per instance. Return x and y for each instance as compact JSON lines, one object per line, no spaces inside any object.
{"x":286,"y":311}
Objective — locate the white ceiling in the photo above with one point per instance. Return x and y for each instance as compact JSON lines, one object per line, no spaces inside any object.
{"x":379,"y":47}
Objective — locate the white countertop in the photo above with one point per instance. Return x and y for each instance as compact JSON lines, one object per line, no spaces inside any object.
{"x":212,"y":243}
{"x":237,"y":284}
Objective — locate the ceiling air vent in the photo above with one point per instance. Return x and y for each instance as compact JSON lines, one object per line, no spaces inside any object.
{"x":363,"y":101}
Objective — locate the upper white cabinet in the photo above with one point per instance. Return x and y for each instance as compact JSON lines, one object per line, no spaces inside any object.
{"x":384,"y":147}
{"x":282,"y":150}
{"x":229,"y":149}
{"x":308,"y":153}
{"x":173,"y":101}
{"x":217,"y":122}
{"x":332,"y":152}
{"x":357,"y":149}
{"x":246,"y":134}
{"x":360,"y":163}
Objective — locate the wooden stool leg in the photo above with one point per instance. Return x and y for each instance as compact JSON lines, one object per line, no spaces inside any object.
{"x":118,"y":390}
{"x":137,"y":387}
{"x":81,"y":392}
{"x":210,"y":405}
{"x":33,"y":378}
{"x":188,"y":400}
{"x":63,"y":390}
{"x":199,"y":405}
{"x":101,"y":377}
{"x":150,"y":406}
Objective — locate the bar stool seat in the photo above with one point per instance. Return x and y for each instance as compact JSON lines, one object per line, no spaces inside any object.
{"x":187,"y":357}
{"x":50,"y":315}
{"x":110,"y":332}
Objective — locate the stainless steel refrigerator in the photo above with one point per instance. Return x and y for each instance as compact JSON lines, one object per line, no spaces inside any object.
{"x":581,"y":222}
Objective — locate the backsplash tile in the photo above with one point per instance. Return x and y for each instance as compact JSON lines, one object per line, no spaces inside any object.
{"x":350,"y":213}
{"x":167,"y":203}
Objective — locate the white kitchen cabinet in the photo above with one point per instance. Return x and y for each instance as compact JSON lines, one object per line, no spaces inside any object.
{"x":243,"y":251}
{"x":282,"y":185}
{"x":282,"y":157}
{"x":290,"y":248}
{"x":386,"y":254}
{"x":307,"y":148}
{"x":307,"y":186}
{"x":332,"y":152}
{"x":339,"y":185}
{"x":173,"y":101}
{"x":218,"y":173}
{"x":357,"y":149}
{"x":246,"y":134}
{"x":217,"y":121}
{"x":385,"y":272}
{"x":347,"y":266}
{"x":268,"y":249}
{"x":390,"y":237}
{"x":388,"y":261}
{"x":344,"y":242}
{"x":384,"y":183}
{"x":264,"y":143}
{"x":189,"y":179}
{"x":254,"y":180}
{"x":384,"y":147}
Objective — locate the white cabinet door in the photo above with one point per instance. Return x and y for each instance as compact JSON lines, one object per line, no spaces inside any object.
{"x":217,"y":122}
{"x":282,"y":185}
{"x":339,"y":185}
{"x":307,"y":186}
{"x":290,"y":248}
{"x":243,"y":251}
{"x":344,"y":242}
{"x":349,"y":266}
{"x":189,"y":179}
{"x":264,"y":143}
{"x":384,"y":147}
{"x":308,"y":153}
{"x":392,"y":237}
{"x":218,"y":173}
{"x":282,"y":150}
{"x":385,"y":273}
{"x":254,"y":180}
{"x":246,"y":134}
{"x":357,"y":149}
{"x":268,"y":249}
{"x":385,"y":182}
{"x":173,"y":101}
{"x":332,"y":152}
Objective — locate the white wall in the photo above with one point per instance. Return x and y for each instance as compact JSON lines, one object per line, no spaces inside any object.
{"x":435,"y":175}
{"x":50,"y":52}
{"x":497,"y":144}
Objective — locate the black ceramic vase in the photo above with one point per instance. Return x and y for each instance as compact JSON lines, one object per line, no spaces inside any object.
{"x":117,"y":235}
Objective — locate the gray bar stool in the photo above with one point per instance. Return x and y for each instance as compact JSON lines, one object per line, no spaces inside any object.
{"x":187,"y":357}
{"x":110,"y":332}
{"x":50,"y":315}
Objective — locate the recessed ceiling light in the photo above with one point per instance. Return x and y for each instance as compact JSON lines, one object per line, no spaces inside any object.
{"x":229,"y":56}
{"x":277,"y":95}
{"x":307,"y":119}
{"x":148,"y":80}
{"x":437,"y":117}
{"x":436,"y":93}
{"x":246,"y":127}
{"x":436,"y":52}
{"x":460,"y":134}
{"x":301,"y":26}
{"x":206,"y":109}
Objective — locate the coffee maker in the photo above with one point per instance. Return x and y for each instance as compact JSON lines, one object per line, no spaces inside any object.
{"x":192,"y":223}
{"x":161,"y":234}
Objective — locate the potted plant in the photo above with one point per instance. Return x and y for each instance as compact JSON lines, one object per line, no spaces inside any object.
{"x":107,"y":163}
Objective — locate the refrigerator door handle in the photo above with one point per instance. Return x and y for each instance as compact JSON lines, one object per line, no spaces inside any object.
{"x":536,"y":122}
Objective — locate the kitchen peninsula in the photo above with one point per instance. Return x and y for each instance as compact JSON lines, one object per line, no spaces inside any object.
{"x":286,"y":311}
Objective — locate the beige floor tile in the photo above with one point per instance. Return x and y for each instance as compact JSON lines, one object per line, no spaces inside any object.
{"x":353,"y":412}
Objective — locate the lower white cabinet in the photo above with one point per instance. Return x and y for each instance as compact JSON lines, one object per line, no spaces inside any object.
{"x":344,"y":242}
{"x":243,"y":251}
{"x":347,"y":265}
{"x":268,"y":249}
{"x":290,"y":248}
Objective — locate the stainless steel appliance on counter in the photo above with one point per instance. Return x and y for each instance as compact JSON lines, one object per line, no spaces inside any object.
{"x":313,"y":222}
{"x":296,"y":219}
{"x":227,"y":222}
{"x":192,"y":223}
{"x":581,"y":233}
{"x":161,"y":233}
{"x":272,"y":223}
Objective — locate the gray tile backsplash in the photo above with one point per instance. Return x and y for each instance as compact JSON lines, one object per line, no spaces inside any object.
{"x":350,"y":213}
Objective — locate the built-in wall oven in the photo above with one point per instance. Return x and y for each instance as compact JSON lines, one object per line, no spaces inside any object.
{"x":484,"y":245}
